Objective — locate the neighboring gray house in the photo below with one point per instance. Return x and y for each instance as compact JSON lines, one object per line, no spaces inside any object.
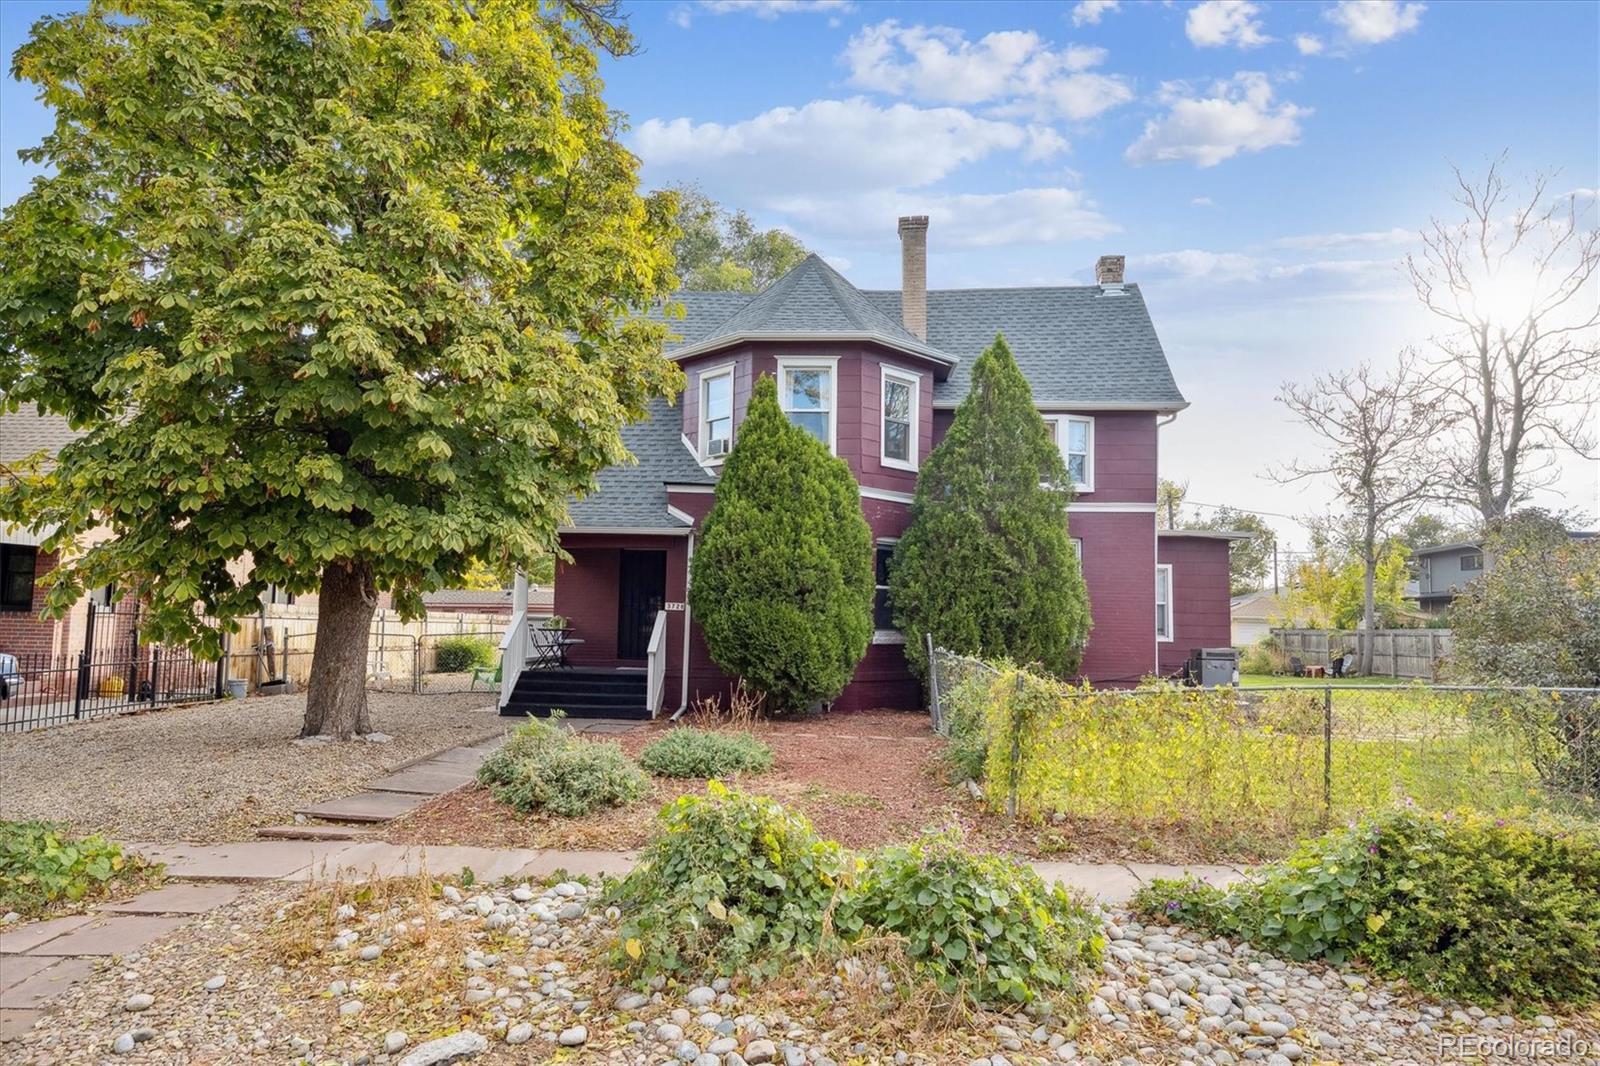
{"x":1440,"y":572}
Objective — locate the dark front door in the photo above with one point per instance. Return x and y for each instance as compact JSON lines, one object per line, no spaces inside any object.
{"x":642,"y":592}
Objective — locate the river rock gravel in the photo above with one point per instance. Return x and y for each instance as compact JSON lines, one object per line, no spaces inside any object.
{"x":521,"y":975}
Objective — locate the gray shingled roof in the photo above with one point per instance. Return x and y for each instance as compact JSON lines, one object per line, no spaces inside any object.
{"x":812,"y":298}
{"x":25,"y":431}
{"x":1074,"y":344}
{"x":634,"y":495}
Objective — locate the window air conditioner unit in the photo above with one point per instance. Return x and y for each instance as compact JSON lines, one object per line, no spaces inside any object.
{"x":716,"y":447}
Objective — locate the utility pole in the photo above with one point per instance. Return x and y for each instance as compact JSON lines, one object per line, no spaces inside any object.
{"x":1275,"y":566}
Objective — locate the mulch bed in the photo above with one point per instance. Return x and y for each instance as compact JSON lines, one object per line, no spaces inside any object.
{"x":864,"y":779}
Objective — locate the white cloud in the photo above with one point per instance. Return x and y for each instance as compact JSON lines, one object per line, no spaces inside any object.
{"x":1192,"y":264}
{"x":1239,"y":115}
{"x":1365,"y":238}
{"x":1016,"y":69}
{"x":1375,"y":21}
{"x":1091,"y":11}
{"x":1202,"y":201}
{"x":826,"y":145}
{"x":1309,"y":44}
{"x":1044,"y":142}
{"x":1215,"y":23}
{"x":959,"y":220}
{"x":1582,"y":193}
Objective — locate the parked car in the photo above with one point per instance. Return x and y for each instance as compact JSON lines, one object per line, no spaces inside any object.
{"x":10,"y":677}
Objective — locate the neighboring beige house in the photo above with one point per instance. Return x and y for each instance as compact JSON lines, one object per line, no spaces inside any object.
{"x":1254,"y":614}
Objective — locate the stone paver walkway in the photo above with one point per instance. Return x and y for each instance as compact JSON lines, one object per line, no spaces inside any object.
{"x":38,"y":959}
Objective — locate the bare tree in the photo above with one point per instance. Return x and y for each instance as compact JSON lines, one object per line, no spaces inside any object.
{"x":1519,"y":365}
{"x":1379,"y":433}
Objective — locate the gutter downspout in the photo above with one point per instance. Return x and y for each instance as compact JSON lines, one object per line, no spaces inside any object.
{"x":688,"y":572}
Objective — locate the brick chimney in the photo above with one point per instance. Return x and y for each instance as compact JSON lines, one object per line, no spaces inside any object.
{"x":1108,"y":273}
{"x":914,"y":274}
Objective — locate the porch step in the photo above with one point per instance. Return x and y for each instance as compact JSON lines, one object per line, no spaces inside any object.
{"x":580,"y":692}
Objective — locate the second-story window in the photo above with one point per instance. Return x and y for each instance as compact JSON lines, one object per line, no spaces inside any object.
{"x":805,"y":392}
{"x":1472,"y":562}
{"x":716,"y":413}
{"x":1074,"y":435}
{"x":899,"y":419}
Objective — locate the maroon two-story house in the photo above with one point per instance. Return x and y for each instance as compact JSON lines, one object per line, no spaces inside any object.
{"x":876,"y":375}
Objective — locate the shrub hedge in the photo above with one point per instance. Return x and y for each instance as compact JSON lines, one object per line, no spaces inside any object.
{"x":689,"y":752}
{"x":1460,"y":904}
{"x":453,"y":655}
{"x":543,"y":768}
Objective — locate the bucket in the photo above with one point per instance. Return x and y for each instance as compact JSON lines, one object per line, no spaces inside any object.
{"x":237,"y":687}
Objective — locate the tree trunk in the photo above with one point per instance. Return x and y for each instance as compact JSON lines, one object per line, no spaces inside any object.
{"x":1369,"y":615}
{"x":336,"y":703}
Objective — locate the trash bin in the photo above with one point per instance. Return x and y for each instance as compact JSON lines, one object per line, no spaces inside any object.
{"x":237,"y":687}
{"x":1210,"y":667}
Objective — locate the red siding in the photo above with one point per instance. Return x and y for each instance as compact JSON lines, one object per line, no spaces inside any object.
{"x":1124,"y":456}
{"x":1119,"y":569}
{"x":26,"y":635}
{"x":1199,"y":597}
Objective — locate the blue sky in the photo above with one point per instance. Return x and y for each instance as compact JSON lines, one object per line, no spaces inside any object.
{"x":1265,"y":167}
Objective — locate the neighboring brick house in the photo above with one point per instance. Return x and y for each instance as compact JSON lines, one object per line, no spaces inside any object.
{"x":877,"y":375}
{"x":23,"y":564}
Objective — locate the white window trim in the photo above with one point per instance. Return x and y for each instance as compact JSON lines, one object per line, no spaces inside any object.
{"x":831,"y":365}
{"x":1060,"y":420}
{"x":913,"y":380}
{"x":1172,"y":614}
{"x":703,"y":431}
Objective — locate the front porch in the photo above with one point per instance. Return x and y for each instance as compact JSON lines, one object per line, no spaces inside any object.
{"x":619,"y":650}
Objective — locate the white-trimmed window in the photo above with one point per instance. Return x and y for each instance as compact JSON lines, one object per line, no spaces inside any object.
{"x":898,"y":447}
{"x":716,"y":413}
{"x":1164,"y":601}
{"x":806,"y":394}
{"x":1074,"y":435}
{"x":883,"y":627}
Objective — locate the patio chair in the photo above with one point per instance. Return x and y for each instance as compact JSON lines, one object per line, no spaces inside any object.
{"x":490,"y":678}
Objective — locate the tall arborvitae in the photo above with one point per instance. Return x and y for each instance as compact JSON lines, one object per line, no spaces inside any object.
{"x":783,"y":583}
{"x":987,"y":566}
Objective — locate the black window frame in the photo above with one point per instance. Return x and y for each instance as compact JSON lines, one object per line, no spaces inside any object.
{"x":1476,"y":559}
{"x":882,"y":605}
{"x":11,"y":570}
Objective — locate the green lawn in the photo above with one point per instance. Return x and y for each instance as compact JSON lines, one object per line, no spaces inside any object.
{"x":1275,"y":680}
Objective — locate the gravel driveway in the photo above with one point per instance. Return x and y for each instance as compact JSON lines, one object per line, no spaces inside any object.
{"x":214,"y":772}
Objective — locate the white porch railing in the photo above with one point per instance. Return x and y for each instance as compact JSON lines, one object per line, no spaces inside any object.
{"x":656,"y":657}
{"x":513,"y":655}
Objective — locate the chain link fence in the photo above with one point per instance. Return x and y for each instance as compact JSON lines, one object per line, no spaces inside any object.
{"x":1279,"y":760}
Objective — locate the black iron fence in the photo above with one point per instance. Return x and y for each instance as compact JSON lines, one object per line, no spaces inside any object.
{"x":117,"y":671}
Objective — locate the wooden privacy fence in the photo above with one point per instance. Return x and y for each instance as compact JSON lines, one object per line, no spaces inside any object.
{"x":1395,"y":652}
{"x":398,"y":652}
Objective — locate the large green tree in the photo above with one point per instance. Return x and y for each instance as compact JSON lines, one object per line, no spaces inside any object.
{"x":723,"y":250}
{"x":340,"y":287}
{"x":987,"y":565}
{"x":783,"y":583}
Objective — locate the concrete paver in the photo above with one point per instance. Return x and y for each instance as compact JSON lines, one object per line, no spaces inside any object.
{"x":18,"y":968}
{"x":1221,"y":876}
{"x":176,"y":899}
{"x":15,"y":1021}
{"x":365,"y":807}
{"x":592,"y":863}
{"x":116,"y":935}
{"x":14,"y":941}
{"x":256,"y":860}
{"x":1109,"y":882}
{"x":426,"y":779}
{"x":367,"y":861}
{"x":40,"y":988}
